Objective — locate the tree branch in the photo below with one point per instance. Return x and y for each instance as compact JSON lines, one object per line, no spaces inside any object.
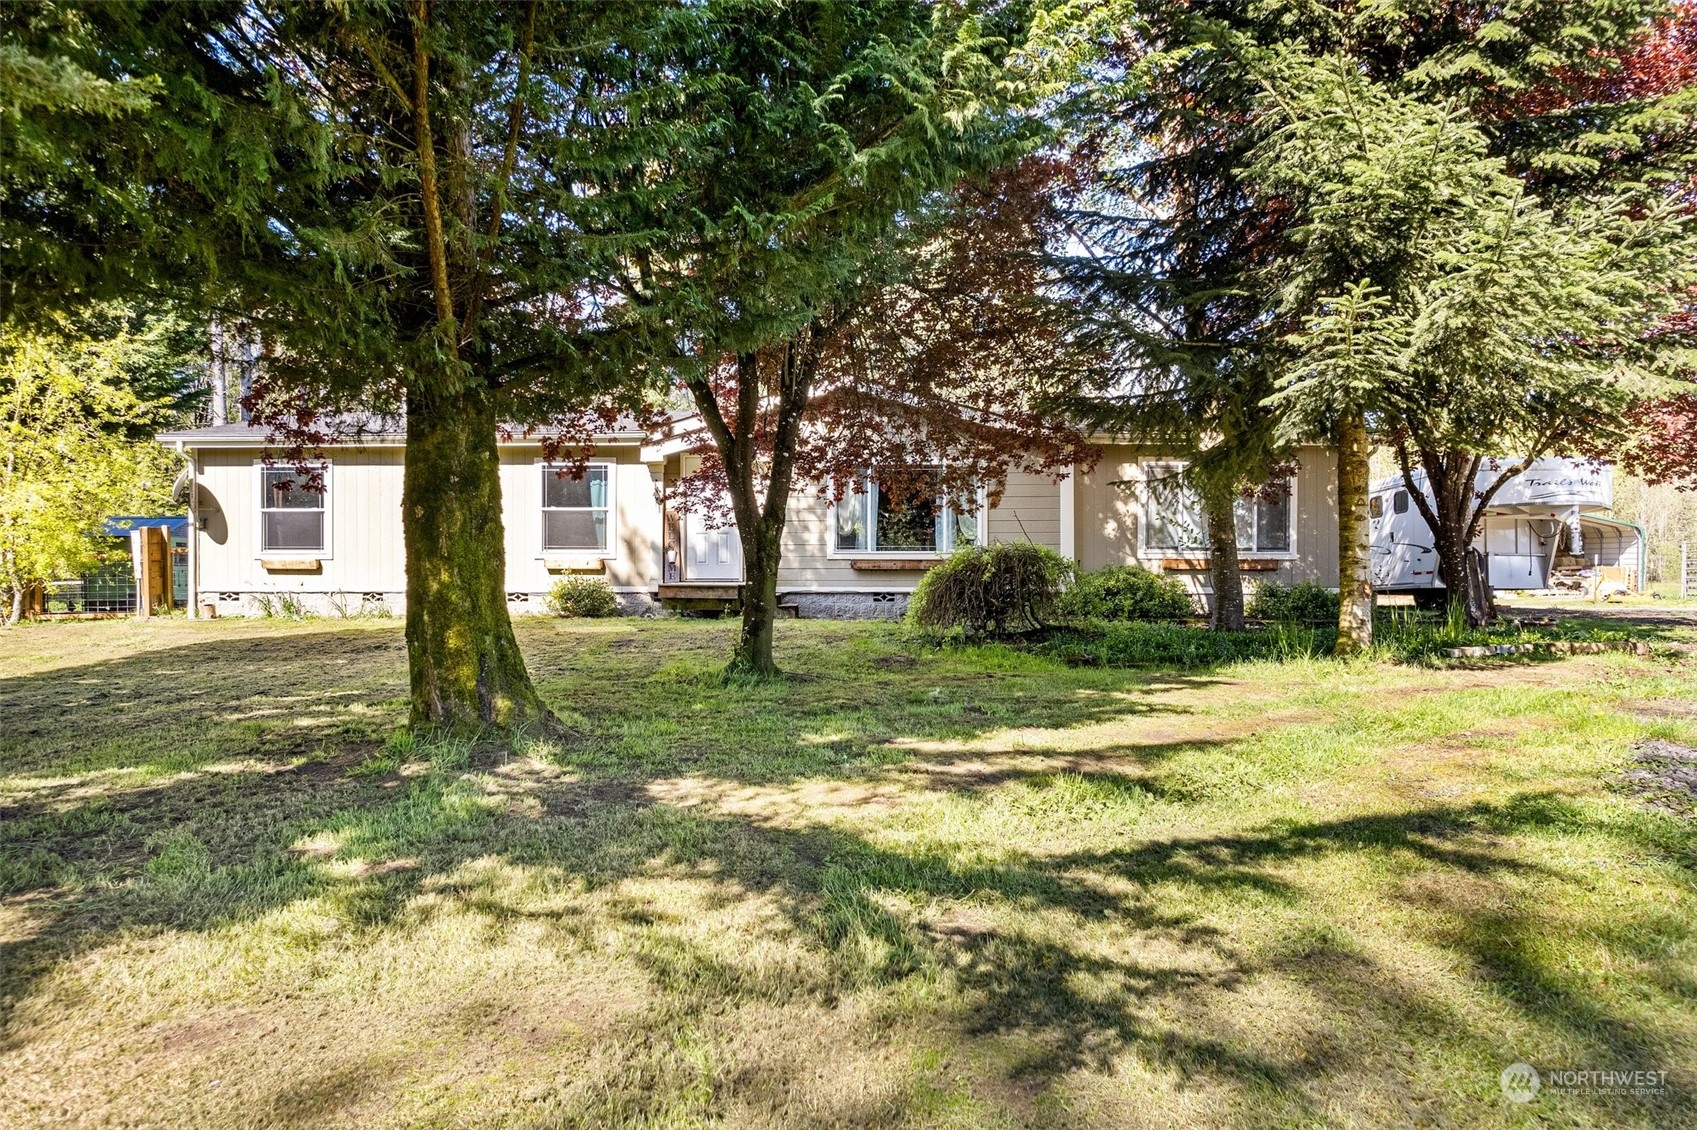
{"x":794,"y":388}
{"x":509,"y":160}
{"x":1414,"y":492}
{"x":436,"y":244}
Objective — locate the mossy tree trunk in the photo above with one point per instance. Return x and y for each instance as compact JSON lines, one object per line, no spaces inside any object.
{"x":463,"y":660}
{"x":1219,"y":510}
{"x":465,"y":665}
{"x":1355,"y":551}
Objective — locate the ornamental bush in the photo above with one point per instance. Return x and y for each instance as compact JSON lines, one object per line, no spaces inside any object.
{"x":582,"y":596}
{"x":1126,"y":592}
{"x":1001,"y":589}
{"x":1305,"y":603}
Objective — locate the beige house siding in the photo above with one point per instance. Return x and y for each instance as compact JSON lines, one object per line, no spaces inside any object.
{"x":807,"y":561}
{"x":364,"y":523}
{"x":634,"y":562}
{"x":366,"y":549}
{"x":1029,"y":510}
{"x":1094,"y":515}
{"x":1109,"y":501}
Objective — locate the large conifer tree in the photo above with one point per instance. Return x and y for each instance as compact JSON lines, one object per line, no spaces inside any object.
{"x":395,"y":195}
{"x":1524,"y":76}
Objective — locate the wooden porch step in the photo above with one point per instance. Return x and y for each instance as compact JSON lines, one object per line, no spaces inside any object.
{"x":701,"y":596}
{"x":700,"y":590}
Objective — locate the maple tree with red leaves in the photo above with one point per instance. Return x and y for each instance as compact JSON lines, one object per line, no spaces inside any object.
{"x":1661,"y":443}
{"x":932,"y":383}
{"x":1663,"y":448}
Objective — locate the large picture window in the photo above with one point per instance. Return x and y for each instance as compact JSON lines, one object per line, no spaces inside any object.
{"x":870,"y":520}
{"x":577,"y":513}
{"x":1174,"y":519}
{"x":293,"y":518}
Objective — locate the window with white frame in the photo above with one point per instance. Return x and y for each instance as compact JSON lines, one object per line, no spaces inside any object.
{"x":871,"y":520}
{"x":293,"y":512}
{"x":1174,"y":520}
{"x":1263,"y":522}
{"x":577,"y":512}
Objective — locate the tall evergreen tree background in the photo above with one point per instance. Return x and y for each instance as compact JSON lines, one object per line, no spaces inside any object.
{"x":478,"y":213}
{"x":1528,"y":81}
{"x":1458,"y":230}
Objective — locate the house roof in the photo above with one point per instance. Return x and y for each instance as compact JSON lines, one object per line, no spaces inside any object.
{"x":370,"y":430}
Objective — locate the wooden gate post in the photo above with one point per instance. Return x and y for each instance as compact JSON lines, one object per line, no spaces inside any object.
{"x":150,"y":549}
{"x":138,"y":567}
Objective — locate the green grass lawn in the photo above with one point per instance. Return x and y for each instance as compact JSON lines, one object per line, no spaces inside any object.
{"x":973,"y":888}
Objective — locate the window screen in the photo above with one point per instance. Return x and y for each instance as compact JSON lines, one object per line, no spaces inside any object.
{"x":575,"y":512}
{"x":291,"y":514}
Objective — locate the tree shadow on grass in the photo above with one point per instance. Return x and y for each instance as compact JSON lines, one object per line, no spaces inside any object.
{"x":1076,"y":959}
{"x":1034,"y":976}
{"x":640,"y":709}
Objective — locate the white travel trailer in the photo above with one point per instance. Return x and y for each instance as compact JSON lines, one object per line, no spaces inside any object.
{"x":1546,"y":529}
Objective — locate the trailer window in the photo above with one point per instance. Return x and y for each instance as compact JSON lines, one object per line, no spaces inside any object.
{"x":1376,"y":506}
{"x":1399,"y":502}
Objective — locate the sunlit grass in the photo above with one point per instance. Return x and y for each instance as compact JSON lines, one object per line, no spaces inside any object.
{"x":969,"y":887}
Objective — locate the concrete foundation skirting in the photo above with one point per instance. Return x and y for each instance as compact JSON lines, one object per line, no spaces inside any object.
{"x":292,"y":605}
{"x":344,"y":605}
{"x":339,"y":605}
{"x":846,"y":605}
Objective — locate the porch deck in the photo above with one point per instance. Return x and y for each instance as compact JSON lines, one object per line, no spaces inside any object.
{"x":701,"y":596}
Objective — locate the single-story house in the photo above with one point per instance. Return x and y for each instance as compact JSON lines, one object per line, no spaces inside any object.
{"x":257,"y":537}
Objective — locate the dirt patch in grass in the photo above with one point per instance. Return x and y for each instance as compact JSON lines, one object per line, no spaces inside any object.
{"x":1663,"y":776}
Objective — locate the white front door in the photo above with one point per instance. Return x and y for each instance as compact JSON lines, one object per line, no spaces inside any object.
{"x":714,"y":555}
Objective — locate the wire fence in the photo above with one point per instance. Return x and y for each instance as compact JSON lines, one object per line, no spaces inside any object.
{"x":111,"y":588}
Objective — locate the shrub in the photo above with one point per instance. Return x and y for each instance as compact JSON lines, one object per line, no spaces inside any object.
{"x":582,"y":596}
{"x":1005,"y":588}
{"x":1305,"y":603}
{"x":1126,"y":592}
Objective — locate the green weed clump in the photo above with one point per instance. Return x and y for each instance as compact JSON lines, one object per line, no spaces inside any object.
{"x":1125,"y":593}
{"x":1407,"y":636}
{"x":1002,"y":589}
{"x":1397,"y":637}
{"x":281,"y":606}
{"x":1302,"y":603}
{"x":586,"y":597}
{"x":1178,"y":646}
